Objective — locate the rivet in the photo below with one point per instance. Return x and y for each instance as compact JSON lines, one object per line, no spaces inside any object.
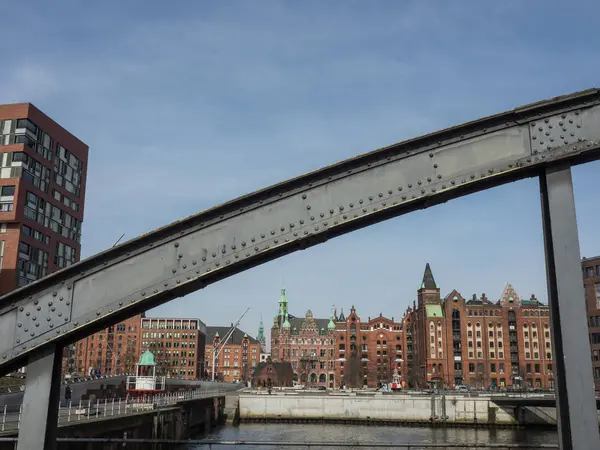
{"x":383,"y":203}
{"x":57,"y":331}
{"x":428,"y":178}
{"x":255,"y":249}
{"x":68,"y":303}
{"x":166,"y":284}
{"x":155,"y":291}
{"x":435,"y":166}
{"x":262,"y":235}
{"x":272,"y":232}
{"x":301,"y":222}
{"x":323,"y":215}
{"x":174,"y":270}
{"x":18,"y":341}
{"x":37,"y":324}
{"x":54,"y":294}
{"x":51,"y":325}
{"x":295,"y":233}
{"x":431,"y":154}
{"x":120,"y":303}
{"x":88,"y":320}
{"x":176,"y":244}
{"x":371,"y":198}
{"x":422,"y":191}
{"x":26,"y":330}
{"x":335,"y":222}
{"x":331,"y":211}
{"x":316,"y":229}
{"x":19,"y":325}
{"x":400,"y":189}
{"x":143,"y":294}
{"x":34,"y":318}
{"x":178,"y":281}
{"x":35,"y":302}
{"x":491,"y":170}
{"x":304,"y":196}
{"x":390,"y":192}
{"x":217,"y":264}
{"x":380,"y":195}
{"x":180,"y":255}
{"x":32,"y":334}
{"x":97,"y":313}
{"x":185,"y":266}
{"x":38,"y":308}
{"x":61,"y":299}
{"x":204,"y":258}
{"x":307,"y":206}
{"x":305,"y":232}
{"x":419,"y":182}
{"x":404,"y":197}
{"x":546,"y":120}
{"x":53,"y":309}
{"x":69,"y":288}
{"x":439,"y":177}
{"x":432,"y":189}
{"x":214,"y":255}
{"x":276,"y":241}
{"x":27,"y":313}
{"x":409,"y":185}
{"x":351,"y":205}
{"x":364,"y":210}
{"x":360,"y":201}
{"x":534,"y":137}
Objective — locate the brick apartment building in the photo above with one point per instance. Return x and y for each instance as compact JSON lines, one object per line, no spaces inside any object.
{"x":42,"y":183}
{"x":477,"y":342}
{"x":43,"y":171}
{"x":178,"y":345}
{"x":112,"y":351}
{"x":238,"y":357}
{"x":591,"y":282}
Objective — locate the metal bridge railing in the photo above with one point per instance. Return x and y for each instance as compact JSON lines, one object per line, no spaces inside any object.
{"x":99,"y":409}
{"x":210,"y":444}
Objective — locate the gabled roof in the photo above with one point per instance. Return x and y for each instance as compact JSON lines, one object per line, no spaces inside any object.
{"x":236,"y":339}
{"x":281,"y":368}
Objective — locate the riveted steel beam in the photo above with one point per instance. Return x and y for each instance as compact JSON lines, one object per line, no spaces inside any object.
{"x":189,"y":254}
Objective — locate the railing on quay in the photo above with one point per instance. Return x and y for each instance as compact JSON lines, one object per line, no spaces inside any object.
{"x":10,"y":421}
{"x":210,"y":444}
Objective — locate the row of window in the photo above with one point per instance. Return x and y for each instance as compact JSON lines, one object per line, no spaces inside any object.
{"x":170,"y":325}
{"x":168,"y":335}
{"x":50,"y":216}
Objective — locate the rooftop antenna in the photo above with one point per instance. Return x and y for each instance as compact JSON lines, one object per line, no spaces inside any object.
{"x":118,"y":240}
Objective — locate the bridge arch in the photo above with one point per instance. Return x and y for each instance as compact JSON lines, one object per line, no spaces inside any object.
{"x":542,"y":139}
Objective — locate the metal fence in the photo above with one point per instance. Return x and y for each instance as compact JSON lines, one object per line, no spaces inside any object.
{"x":100,"y":409}
{"x":160,"y":444}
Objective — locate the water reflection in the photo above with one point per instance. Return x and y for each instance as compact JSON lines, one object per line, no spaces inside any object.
{"x":314,"y":434}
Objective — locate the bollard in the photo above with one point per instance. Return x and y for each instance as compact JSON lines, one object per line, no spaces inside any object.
{"x":69,"y":414}
{"x":4,"y":418}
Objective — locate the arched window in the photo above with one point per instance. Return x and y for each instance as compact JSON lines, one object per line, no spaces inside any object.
{"x":322,"y":378}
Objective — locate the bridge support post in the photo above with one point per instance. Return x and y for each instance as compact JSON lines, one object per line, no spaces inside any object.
{"x":39,"y":421}
{"x":574,"y":384}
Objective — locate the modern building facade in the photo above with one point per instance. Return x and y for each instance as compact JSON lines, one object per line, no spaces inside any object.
{"x":178,"y":345}
{"x":42,"y":195}
{"x":236,"y":358}
{"x":43,"y":171}
{"x":591,"y":283}
{"x":112,"y":351}
{"x":453,"y":341}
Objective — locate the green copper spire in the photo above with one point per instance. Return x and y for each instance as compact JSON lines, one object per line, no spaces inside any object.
{"x":260,"y":337}
{"x":286,"y":322}
{"x":331,"y":324}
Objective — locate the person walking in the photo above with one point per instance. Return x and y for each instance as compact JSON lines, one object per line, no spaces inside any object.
{"x":68,"y":393}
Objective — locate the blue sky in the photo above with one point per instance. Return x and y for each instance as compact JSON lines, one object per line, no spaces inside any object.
{"x":188,"y":104}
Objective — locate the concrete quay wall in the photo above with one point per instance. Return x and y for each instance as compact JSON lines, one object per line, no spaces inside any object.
{"x":451,"y":410}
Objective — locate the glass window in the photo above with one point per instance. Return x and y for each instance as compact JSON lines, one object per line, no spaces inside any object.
{"x":8,"y":190}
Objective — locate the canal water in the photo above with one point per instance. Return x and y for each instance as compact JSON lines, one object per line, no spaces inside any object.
{"x":315,"y":434}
